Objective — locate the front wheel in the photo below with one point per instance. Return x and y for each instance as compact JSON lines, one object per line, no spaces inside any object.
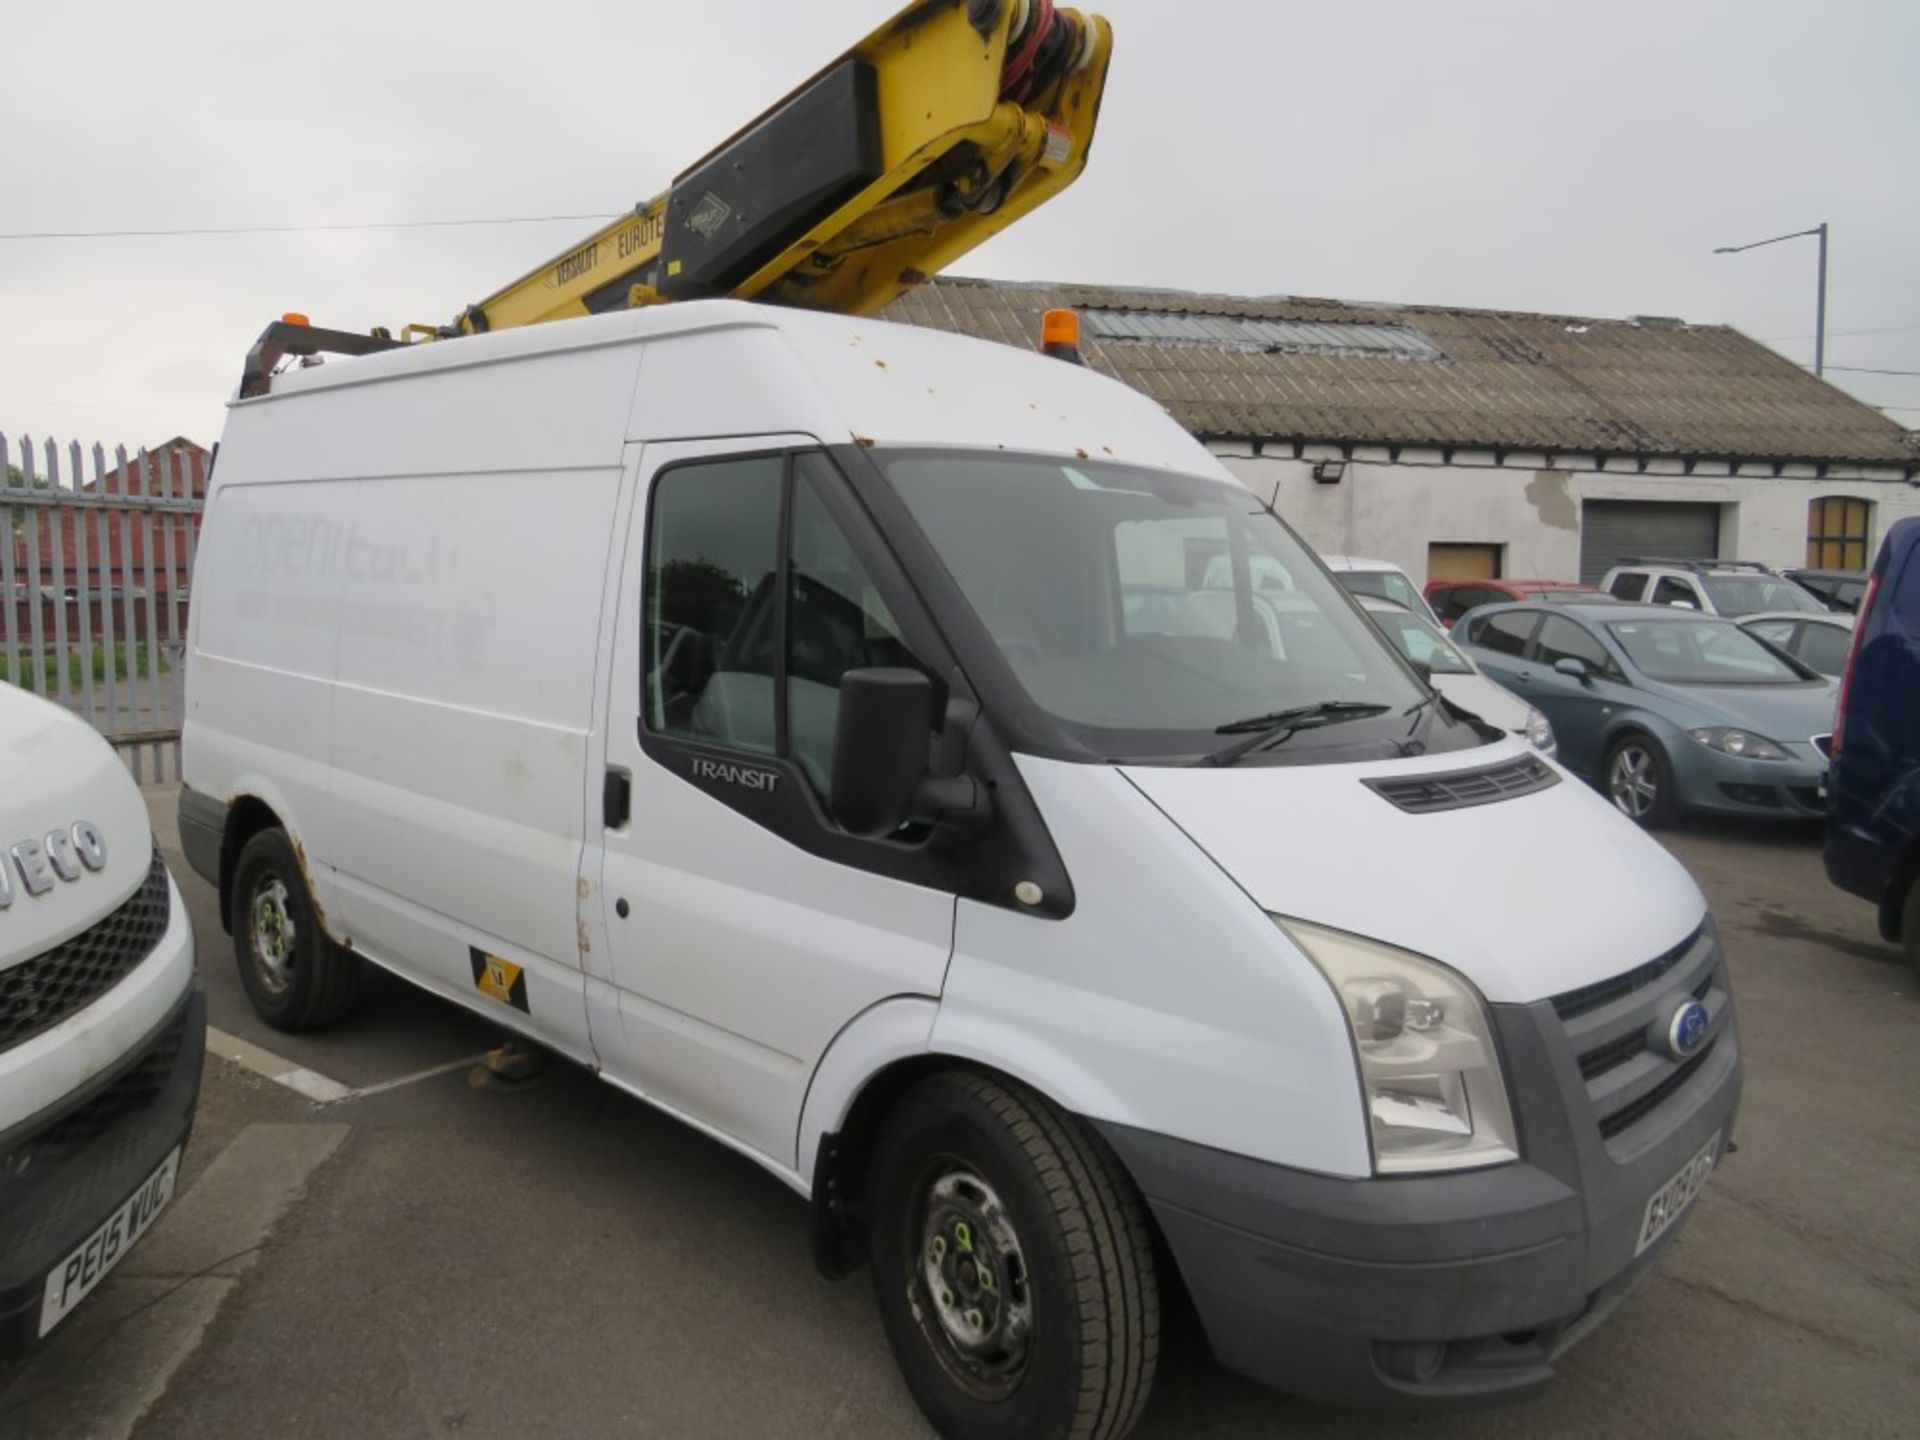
{"x":1640,"y":782}
{"x":1013,"y":1265}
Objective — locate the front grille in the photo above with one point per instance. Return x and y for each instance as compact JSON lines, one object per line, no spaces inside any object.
{"x":38,"y":994}
{"x":1598,"y":1062}
{"x":1591,"y":997}
{"x":1460,"y":789}
{"x":1617,"y":1031}
{"x":1631,"y":1115}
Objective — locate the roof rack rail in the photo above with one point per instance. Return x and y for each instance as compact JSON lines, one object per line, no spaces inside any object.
{"x":1696,"y":564}
{"x":296,"y":337}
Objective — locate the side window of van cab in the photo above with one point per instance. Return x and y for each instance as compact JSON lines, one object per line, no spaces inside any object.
{"x":729,"y":648}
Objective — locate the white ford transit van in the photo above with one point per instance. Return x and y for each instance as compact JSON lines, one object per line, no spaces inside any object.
{"x":824,"y":730}
{"x":102,"y":1024}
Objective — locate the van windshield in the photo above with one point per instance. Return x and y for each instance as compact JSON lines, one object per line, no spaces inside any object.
{"x":1145,"y":610}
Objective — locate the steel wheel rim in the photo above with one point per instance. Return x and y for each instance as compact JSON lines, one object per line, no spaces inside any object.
{"x":1634,"y":782}
{"x":971,"y":1289}
{"x":275,"y":935}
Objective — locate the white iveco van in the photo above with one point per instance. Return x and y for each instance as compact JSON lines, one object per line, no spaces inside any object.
{"x":102,"y":1026}
{"x":827,"y":731}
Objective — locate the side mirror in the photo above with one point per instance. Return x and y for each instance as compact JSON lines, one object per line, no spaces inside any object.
{"x":1574,"y":668}
{"x":882,"y":736}
{"x":1682,"y":605}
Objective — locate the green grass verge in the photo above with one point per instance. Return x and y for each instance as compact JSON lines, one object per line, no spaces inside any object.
{"x":43,"y":675}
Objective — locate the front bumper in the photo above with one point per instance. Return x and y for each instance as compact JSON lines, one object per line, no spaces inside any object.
{"x":1790,"y":789}
{"x":63,"y":1172}
{"x":1434,"y":1290}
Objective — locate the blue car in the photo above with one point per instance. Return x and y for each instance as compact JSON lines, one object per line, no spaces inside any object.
{"x":1665,"y":709}
{"x":1873,"y":829}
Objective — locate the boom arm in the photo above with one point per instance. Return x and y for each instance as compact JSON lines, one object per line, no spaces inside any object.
{"x":937,"y":131}
{"x":934,"y":133}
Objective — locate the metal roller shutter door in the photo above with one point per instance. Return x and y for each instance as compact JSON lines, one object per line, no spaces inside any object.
{"x":1611,"y":530}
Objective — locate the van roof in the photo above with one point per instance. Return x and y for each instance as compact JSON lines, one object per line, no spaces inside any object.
{"x":757,"y":369}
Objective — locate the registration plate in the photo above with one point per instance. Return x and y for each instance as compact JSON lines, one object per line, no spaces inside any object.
{"x":74,"y":1278}
{"x":1672,"y":1199}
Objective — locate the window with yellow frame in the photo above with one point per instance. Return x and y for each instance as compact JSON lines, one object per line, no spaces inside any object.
{"x":1838,"y":528}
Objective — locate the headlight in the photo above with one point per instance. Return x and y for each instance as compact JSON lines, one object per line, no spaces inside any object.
{"x":1741,"y":744}
{"x":1434,"y":1093}
{"x":1539,"y":732}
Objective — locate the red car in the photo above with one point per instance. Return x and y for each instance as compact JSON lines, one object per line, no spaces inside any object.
{"x":1453,"y":598}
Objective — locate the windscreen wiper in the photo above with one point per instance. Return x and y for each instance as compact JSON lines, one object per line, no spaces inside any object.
{"x":1261,"y":731}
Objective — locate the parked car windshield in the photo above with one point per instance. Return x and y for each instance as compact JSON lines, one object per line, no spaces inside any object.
{"x":1387,"y":584}
{"x":1420,"y":642}
{"x":1143,"y":610}
{"x":1703,"y":651}
{"x":1739,"y":595}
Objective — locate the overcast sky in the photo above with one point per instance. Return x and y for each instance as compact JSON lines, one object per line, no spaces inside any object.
{"x":1579,"y":156}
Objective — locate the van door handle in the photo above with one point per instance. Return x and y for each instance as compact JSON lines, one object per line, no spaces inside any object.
{"x":616,"y":799}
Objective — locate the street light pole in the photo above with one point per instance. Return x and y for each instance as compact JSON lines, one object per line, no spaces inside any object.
{"x":1820,"y":326}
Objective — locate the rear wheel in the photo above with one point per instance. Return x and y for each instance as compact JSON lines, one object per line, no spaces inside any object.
{"x":1013,"y":1266}
{"x":1640,"y":782}
{"x":296,"y":978}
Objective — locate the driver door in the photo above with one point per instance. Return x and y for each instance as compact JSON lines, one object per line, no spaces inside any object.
{"x":1579,"y":709}
{"x":743,"y":930}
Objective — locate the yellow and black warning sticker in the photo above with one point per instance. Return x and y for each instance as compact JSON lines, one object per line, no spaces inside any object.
{"x":499,"y":979}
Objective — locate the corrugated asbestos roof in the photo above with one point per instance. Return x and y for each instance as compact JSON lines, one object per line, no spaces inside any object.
{"x":1333,"y":371}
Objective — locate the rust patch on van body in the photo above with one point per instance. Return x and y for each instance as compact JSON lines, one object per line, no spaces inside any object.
{"x":306,"y":879}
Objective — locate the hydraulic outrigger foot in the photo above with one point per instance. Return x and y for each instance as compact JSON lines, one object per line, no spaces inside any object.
{"x":516,"y":1065}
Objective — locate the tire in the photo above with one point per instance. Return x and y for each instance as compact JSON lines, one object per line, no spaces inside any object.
{"x":1910,"y":926}
{"x":1058,"y":1337}
{"x":295,"y":976}
{"x":1639,"y":782}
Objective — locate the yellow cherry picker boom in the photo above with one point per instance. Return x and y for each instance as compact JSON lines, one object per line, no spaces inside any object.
{"x":934,"y":133}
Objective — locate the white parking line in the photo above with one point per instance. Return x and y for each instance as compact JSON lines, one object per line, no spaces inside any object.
{"x":310,"y":1083}
{"x":464,"y":1063}
{"x":265,"y":1063}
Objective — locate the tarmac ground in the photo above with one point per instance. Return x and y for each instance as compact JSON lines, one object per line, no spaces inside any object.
{"x":389,"y":1251}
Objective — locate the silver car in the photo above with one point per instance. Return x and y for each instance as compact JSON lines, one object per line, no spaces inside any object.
{"x":1665,"y":709}
{"x":1820,"y":642}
